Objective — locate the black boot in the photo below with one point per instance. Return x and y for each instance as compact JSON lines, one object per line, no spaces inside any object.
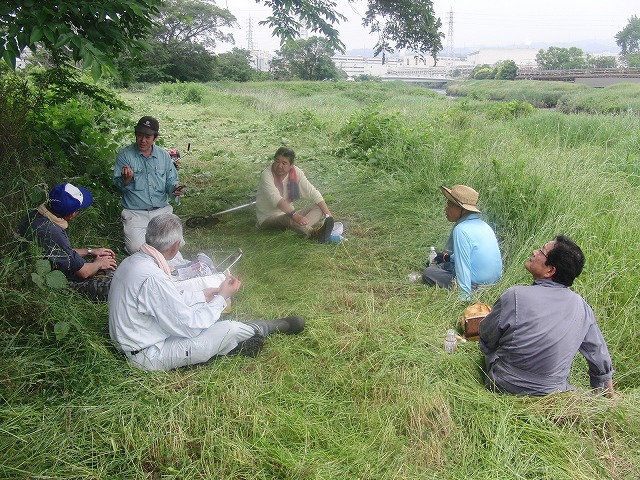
{"x":288,"y":325}
{"x":323,"y":234}
{"x":250,"y":347}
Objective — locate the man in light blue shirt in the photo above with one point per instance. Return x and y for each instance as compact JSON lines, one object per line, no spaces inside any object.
{"x":472,"y":256}
{"x":146,"y":175}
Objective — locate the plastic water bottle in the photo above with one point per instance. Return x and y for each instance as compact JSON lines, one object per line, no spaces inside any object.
{"x":432,"y":255}
{"x":450,"y":342}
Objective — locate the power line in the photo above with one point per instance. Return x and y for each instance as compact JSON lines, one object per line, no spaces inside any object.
{"x":250,"y":34}
{"x":450,"y":40}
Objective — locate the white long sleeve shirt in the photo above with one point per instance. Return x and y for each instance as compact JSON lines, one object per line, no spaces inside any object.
{"x":146,"y":307}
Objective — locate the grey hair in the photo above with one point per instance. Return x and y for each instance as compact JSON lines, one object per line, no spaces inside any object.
{"x":163,"y":232}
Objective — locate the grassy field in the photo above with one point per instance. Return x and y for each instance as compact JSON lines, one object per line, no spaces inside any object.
{"x":366,"y":392}
{"x":566,"y":97}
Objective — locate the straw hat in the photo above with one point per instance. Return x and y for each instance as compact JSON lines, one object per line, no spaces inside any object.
{"x":463,"y":196}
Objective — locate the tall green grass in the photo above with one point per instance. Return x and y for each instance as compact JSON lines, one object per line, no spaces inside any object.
{"x":622,"y":98}
{"x":367,"y":390}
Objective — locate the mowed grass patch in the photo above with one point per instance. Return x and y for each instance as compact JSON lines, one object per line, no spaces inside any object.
{"x":367,"y":390}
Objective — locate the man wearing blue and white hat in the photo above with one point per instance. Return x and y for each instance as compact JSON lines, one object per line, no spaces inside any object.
{"x":47,"y":227}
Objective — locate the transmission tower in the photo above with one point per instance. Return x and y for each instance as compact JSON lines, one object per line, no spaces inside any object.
{"x":250,"y":35}
{"x":450,"y":61}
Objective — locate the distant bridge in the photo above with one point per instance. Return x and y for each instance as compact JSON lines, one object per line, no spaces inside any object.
{"x":433,"y":80}
{"x":436,"y":76}
{"x":595,"y":77}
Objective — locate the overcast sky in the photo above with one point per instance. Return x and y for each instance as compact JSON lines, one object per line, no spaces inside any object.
{"x":493,"y":23}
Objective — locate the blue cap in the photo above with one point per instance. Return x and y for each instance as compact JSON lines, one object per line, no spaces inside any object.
{"x":66,"y":199}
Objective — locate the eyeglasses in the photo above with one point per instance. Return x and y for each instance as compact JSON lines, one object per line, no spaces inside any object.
{"x":544,"y":254}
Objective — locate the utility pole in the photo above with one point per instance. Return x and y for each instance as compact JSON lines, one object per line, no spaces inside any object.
{"x":450,"y":62}
{"x":253,"y":58}
{"x":250,"y":34}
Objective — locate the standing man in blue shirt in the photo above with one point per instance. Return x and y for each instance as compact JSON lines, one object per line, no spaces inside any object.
{"x":472,"y":256}
{"x":146,"y":175}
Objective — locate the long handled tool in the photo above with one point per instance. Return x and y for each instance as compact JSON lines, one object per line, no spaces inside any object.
{"x":174,"y":153}
{"x":203,"y":220}
{"x":226,"y":271}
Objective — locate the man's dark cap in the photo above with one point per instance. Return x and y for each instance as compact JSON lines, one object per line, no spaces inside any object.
{"x":148,"y":126}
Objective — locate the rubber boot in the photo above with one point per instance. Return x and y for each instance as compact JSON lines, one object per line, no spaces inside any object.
{"x":323,"y":234}
{"x":287,"y":325}
{"x":250,"y":347}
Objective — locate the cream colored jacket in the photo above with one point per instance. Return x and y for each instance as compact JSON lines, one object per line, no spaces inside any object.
{"x":268,"y":194}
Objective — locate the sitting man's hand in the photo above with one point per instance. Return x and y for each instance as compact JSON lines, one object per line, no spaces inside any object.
{"x":442,"y":257}
{"x":210,"y":292}
{"x":179,"y":190}
{"x":103,"y":252}
{"x":299,"y":219}
{"x":229,"y":287}
{"x":106,"y":262}
{"x":127,"y":174}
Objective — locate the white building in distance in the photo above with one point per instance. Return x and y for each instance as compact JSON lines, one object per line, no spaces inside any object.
{"x":416,"y":65}
{"x":524,"y":57}
{"x":354,"y":66}
{"x":261,"y":59}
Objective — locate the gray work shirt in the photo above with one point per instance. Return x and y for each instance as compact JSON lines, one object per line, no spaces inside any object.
{"x":532,"y":335}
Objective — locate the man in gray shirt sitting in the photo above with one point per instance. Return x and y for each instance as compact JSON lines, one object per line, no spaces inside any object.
{"x":533,"y":332}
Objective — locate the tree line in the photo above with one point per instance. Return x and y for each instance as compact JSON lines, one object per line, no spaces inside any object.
{"x":572,"y":58}
{"x":169,"y":40}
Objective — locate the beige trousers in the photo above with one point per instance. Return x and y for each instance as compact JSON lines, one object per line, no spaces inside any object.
{"x":312,"y":213}
{"x":135,"y":223}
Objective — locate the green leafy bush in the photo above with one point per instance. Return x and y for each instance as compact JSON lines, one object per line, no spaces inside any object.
{"x":484,"y":74}
{"x":509,"y":110}
{"x":57,"y":127}
{"x":182,"y":92}
{"x":193,"y":95}
{"x":298,"y":121}
{"x":389,"y":142}
{"x":507,"y":70}
{"x":371,"y":129}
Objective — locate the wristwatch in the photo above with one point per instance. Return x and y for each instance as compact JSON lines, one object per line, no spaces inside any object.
{"x":291,"y":214}
{"x":89,"y":251}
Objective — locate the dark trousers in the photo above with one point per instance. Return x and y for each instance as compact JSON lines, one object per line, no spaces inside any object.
{"x":441,"y":275}
{"x":96,"y":287}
